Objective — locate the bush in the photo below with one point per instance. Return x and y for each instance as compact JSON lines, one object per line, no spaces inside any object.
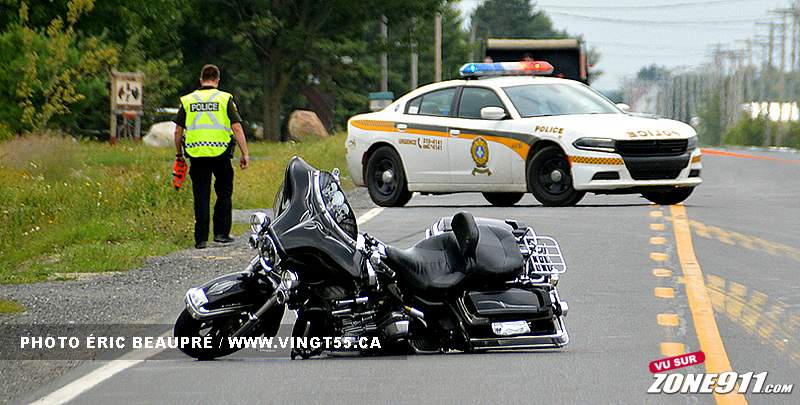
{"x":748,"y":132}
{"x":753,"y":132}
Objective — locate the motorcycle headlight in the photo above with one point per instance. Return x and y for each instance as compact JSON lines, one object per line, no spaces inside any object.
{"x":289,"y":280}
{"x":692,"y":143}
{"x":597,"y":144}
{"x":258,"y":221}
{"x":268,"y":253}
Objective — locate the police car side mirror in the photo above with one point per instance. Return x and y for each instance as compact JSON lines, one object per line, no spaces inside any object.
{"x":492,"y":113}
{"x":624,"y":107}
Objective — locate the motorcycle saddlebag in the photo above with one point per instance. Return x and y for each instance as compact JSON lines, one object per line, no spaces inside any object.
{"x":512,"y":303}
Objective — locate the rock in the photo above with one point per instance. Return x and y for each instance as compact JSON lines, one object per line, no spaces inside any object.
{"x":160,"y":135}
{"x":305,"y":126}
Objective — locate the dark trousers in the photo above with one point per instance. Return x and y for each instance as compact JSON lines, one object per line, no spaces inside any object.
{"x":200,"y":171}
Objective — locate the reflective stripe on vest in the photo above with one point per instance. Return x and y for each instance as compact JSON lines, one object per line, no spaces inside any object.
{"x":208,"y":132}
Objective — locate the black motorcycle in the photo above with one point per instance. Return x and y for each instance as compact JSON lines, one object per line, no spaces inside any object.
{"x":472,"y":283}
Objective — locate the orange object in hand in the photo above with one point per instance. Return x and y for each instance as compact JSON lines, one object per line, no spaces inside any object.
{"x":179,"y":170}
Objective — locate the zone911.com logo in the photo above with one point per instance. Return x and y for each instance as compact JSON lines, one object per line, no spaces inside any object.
{"x":722,"y":383}
{"x":707,"y":383}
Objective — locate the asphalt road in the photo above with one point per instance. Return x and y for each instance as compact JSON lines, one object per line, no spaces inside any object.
{"x":624,"y":270}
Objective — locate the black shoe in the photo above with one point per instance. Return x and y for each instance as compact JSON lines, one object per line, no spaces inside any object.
{"x":223,"y":238}
{"x":201,"y":245}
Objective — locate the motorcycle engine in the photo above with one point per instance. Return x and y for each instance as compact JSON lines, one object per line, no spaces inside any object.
{"x":357,"y":317}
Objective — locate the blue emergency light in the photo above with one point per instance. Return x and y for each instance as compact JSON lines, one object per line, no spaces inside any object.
{"x":533,"y":67}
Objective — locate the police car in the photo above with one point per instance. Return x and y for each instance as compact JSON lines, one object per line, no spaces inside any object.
{"x":504,"y":130}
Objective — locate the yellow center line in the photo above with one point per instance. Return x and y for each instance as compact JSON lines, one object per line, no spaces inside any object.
{"x":671,"y":349}
{"x":658,"y":257}
{"x":664,"y":292}
{"x":659,"y":272}
{"x":667,"y":319}
{"x":700,"y":305}
{"x":658,"y":240}
{"x":656,"y":214}
{"x":657,"y":227}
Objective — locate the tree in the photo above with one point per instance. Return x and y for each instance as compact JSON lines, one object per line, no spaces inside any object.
{"x":455,"y":48}
{"x":512,"y":19}
{"x":49,"y":70}
{"x":519,"y":19}
{"x":652,"y":73}
{"x":293,"y":42}
{"x":144,"y":37}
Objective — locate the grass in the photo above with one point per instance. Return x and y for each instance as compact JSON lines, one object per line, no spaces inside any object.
{"x":73,"y":206}
{"x":10,"y":307}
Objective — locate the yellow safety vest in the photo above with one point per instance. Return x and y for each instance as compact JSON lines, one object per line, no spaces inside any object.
{"x":208,"y":128}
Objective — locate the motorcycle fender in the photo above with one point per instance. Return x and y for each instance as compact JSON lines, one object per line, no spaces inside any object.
{"x":227,"y":294}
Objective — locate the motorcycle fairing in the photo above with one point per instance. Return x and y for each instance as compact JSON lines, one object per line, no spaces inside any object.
{"x":304,"y":219}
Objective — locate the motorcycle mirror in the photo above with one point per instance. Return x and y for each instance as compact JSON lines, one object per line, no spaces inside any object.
{"x":335,"y":174}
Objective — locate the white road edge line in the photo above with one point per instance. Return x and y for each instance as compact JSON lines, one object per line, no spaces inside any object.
{"x":369,"y":215}
{"x":72,"y":390}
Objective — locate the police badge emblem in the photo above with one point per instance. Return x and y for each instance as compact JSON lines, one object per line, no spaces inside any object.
{"x":480,"y":155}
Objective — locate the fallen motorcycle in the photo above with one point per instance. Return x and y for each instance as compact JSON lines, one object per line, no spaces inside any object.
{"x":471,"y":284}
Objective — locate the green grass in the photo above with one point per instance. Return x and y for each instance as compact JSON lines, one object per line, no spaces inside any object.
{"x":10,"y":307}
{"x":75,"y":207}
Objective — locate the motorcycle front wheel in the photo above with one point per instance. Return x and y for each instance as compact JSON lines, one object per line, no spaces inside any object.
{"x":218,"y":328}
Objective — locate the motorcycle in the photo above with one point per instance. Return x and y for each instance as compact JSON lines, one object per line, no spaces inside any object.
{"x":471,"y":284}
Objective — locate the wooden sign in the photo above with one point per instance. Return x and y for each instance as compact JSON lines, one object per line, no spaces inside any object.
{"x":126,"y":90}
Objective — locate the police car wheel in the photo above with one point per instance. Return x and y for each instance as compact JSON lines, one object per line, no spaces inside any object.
{"x":503,"y":199}
{"x":550,"y":178}
{"x":668,"y":197}
{"x":386,"y":180}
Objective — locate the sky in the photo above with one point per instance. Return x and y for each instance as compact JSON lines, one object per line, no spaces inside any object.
{"x":634,"y":33}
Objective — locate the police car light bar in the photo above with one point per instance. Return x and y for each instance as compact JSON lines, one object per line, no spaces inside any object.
{"x":533,"y":67}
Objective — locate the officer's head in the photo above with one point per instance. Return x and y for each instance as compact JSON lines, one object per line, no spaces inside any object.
{"x":209,"y":76}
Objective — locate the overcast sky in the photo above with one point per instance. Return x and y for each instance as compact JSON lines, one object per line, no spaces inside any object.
{"x":634,"y":33}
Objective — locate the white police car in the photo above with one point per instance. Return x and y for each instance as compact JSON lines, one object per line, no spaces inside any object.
{"x":503,"y":131}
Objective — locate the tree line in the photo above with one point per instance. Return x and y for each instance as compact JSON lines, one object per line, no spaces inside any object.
{"x":275,"y":55}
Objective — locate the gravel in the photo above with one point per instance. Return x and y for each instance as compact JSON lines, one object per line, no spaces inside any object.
{"x":151,"y":294}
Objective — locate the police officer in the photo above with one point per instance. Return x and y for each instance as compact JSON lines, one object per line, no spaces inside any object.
{"x":208,"y":123}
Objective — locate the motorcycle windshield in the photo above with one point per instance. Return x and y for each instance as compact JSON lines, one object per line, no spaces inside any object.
{"x":313,"y":216}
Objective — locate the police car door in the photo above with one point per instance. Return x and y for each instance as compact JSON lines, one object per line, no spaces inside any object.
{"x":423,"y":138}
{"x":479,"y":154}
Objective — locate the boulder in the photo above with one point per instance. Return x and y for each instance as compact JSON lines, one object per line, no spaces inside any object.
{"x":160,"y":135}
{"x":305,"y":126}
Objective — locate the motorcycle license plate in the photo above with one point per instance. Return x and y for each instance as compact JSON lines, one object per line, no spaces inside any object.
{"x":510,"y":328}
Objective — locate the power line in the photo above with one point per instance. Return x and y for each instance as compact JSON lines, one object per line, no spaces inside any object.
{"x":658,"y":22}
{"x":648,"y":45}
{"x":646,"y":7}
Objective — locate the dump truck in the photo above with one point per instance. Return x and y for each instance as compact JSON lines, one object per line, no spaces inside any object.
{"x":567,"y":56}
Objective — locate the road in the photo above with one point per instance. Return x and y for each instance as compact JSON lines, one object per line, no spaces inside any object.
{"x":630,"y":283}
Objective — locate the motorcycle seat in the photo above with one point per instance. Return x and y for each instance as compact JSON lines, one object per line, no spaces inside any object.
{"x":469,"y":252}
{"x":432,"y":265}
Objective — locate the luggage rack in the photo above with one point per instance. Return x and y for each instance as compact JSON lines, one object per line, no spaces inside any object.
{"x":542,"y":253}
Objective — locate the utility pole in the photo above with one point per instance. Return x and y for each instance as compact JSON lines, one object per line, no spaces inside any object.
{"x":473,"y":31}
{"x":793,"y":34}
{"x":414,"y":56}
{"x":768,"y":85}
{"x":782,"y":79}
{"x":437,"y":48}
{"x":766,"y":81}
{"x":384,"y":55}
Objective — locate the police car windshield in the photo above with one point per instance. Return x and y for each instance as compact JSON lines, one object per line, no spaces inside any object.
{"x":538,"y":100}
